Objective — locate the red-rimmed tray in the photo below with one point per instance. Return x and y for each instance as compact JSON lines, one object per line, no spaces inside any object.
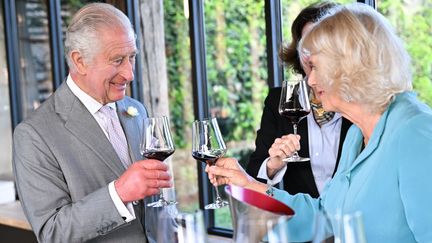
{"x":259,"y":200}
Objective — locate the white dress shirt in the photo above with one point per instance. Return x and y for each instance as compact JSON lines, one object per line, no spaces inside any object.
{"x":93,"y":106}
{"x":323,"y":151}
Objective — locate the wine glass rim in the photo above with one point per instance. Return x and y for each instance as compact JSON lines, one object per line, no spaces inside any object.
{"x":293,"y":81}
{"x":206,"y":119}
{"x":155,"y":117}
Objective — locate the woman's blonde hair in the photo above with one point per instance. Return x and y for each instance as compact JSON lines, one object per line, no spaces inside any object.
{"x":359,"y":56}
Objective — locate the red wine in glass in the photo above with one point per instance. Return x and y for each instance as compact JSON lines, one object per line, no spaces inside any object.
{"x":158,"y":155}
{"x":208,"y":158}
{"x":294,"y":115}
{"x":207,"y":146}
{"x":157,"y":144}
{"x":294,"y":104}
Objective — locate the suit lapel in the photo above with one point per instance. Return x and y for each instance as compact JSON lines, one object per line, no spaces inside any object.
{"x":131,"y":127}
{"x":83,"y":126}
{"x":304,"y":140}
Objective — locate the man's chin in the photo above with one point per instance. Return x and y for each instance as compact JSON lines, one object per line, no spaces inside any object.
{"x":117,"y":97}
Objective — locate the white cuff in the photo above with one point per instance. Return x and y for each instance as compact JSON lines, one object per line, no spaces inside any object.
{"x":262,"y":173}
{"x":126,"y":211}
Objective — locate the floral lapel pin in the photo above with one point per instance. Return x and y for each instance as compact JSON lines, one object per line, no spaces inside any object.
{"x":132,"y":111}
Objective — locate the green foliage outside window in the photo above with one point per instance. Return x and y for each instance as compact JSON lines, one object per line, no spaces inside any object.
{"x":179,"y":69}
{"x":413,"y":22}
{"x":236,"y":66}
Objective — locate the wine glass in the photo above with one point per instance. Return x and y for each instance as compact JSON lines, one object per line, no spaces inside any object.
{"x":207,"y":146}
{"x":294,"y":104}
{"x":352,"y":228}
{"x":181,"y":227}
{"x":263,"y":230}
{"x":322,"y":227}
{"x":339,"y":228}
{"x":157,"y":144}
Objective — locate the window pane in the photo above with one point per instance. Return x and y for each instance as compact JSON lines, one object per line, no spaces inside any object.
{"x":35,"y":56}
{"x":68,"y":9}
{"x":5,"y":110}
{"x":180,"y":103}
{"x":412,"y":20}
{"x":237,"y":76}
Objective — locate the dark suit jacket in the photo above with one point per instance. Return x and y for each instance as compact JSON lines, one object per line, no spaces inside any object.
{"x":298,"y":176}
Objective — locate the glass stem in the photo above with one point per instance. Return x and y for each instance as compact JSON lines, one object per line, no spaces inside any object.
{"x":161,"y":197}
{"x":295,"y":128}
{"x":295,"y":154}
{"x":218,"y":198}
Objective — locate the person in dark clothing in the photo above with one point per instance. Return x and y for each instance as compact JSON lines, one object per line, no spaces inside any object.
{"x":320,"y":134}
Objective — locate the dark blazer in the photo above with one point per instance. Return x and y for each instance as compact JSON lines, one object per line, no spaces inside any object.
{"x":298,"y":176}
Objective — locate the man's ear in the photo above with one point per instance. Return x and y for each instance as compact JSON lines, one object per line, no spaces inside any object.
{"x":78,"y":62}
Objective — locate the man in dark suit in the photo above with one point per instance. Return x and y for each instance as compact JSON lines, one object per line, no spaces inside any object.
{"x":77,"y":162}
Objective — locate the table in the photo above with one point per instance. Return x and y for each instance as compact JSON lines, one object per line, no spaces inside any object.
{"x":11,"y":214}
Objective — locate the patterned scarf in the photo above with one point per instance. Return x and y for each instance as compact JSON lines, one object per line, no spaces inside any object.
{"x":321,"y":116}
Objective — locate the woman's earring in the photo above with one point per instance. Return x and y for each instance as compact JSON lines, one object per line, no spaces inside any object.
{"x":348,"y":98}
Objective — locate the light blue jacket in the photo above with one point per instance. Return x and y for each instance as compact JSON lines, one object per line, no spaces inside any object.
{"x":390,"y":181}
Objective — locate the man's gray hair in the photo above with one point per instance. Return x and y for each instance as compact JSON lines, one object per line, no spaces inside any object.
{"x":83,"y":32}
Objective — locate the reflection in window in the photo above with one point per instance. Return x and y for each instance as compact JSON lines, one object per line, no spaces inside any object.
{"x":5,"y":110}
{"x":35,"y":56}
{"x":237,"y":76}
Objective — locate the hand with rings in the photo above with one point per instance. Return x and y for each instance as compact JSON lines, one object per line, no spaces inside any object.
{"x":143,"y":178}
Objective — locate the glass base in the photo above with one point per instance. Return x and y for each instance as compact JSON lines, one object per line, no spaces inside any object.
{"x":295,"y":159}
{"x":219,"y":203}
{"x":161,"y":203}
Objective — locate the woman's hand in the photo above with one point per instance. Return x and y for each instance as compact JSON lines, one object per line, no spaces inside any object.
{"x":229,"y":171}
{"x":282,"y":148}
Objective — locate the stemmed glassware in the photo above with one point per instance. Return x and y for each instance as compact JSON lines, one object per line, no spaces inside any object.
{"x":339,"y":228}
{"x":157,"y":144}
{"x":352,"y":228}
{"x":181,"y":227}
{"x":294,"y":104}
{"x":207,"y":146}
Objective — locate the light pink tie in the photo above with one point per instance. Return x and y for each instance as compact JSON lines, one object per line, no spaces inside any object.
{"x":116,"y":134}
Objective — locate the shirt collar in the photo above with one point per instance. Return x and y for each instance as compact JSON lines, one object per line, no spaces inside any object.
{"x":337,"y":116}
{"x":89,"y":102}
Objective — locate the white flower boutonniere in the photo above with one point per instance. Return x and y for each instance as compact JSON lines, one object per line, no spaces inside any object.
{"x":132,"y":111}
